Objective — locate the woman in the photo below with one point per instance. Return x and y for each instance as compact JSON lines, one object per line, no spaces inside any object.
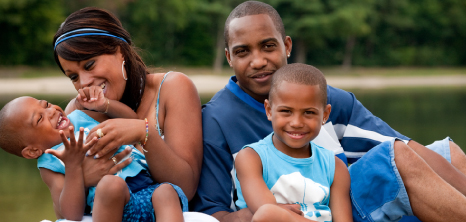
{"x":93,"y":50}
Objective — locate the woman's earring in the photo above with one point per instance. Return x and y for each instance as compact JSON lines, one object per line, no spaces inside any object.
{"x":288,"y":55}
{"x":123,"y":70}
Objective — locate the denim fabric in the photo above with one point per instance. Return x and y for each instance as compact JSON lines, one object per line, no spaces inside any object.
{"x":140,"y":208}
{"x":377,"y":190}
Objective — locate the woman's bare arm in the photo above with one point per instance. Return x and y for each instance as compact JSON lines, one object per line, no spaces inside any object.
{"x":178,"y":157}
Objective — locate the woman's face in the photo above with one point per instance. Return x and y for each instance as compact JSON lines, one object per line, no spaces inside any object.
{"x":104,"y":71}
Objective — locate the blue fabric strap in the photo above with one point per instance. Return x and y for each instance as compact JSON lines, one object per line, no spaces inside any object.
{"x":157,"y":105}
{"x":88,"y":32}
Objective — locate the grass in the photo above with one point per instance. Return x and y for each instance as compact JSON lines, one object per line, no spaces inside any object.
{"x":35,"y":72}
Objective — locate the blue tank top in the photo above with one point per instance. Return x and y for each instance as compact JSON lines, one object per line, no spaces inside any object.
{"x":80,"y":119}
{"x":304,"y":181}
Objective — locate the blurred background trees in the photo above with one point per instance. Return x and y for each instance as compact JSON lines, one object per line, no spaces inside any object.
{"x":190,"y":32}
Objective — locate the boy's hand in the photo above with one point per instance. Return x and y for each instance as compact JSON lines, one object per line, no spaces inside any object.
{"x":74,"y":151}
{"x":92,"y":98}
{"x":295,"y":208}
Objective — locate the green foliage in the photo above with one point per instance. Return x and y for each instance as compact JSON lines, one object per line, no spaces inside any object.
{"x":184,"y":32}
{"x":28,"y":27}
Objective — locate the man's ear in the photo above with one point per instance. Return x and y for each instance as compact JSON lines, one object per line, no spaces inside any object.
{"x":30,"y":152}
{"x":268,"y":109}
{"x":227,"y":54}
{"x":288,"y":45}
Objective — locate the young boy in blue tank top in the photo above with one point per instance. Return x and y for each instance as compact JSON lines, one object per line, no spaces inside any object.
{"x":29,"y":127}
{"x":286,"y":167}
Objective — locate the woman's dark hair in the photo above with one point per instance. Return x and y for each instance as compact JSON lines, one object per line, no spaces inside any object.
{"x":86,"y":47}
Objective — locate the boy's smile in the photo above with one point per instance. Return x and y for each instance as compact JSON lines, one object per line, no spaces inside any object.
{"x":40,"y":122}
{"x":297,"y":113}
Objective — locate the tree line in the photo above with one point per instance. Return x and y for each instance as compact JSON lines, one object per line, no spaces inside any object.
{"x":190,"y":32}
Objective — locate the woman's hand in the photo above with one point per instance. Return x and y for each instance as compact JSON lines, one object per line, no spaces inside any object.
{"x":95,"y":169}
{"x":115,"y":133}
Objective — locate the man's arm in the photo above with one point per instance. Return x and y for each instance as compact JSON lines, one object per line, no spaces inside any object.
{"x":215,"y":184}
{"x":356,"y":127}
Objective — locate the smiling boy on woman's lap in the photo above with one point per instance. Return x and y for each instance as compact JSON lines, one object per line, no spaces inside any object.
{"x":30,"y":127}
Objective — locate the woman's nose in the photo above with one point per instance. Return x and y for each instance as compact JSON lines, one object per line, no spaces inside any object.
{"x":85,"y":79}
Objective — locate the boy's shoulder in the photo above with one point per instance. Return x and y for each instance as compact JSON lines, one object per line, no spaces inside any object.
{"x":262,"y":144}
{"x":99,"y":117}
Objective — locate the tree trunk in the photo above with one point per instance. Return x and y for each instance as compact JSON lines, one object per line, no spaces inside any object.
{"x":219,"y":51}
{"x":347,"y":60}
{"x":301,"y":51}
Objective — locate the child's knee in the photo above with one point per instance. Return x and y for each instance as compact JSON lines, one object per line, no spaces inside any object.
{"x":165,"y":192}
{"x":111,"y":186}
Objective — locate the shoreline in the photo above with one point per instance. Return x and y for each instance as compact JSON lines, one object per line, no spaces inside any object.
{"x":210,"y":84}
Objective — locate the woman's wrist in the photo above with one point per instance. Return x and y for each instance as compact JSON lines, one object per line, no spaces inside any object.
{"x":104,"y":108}
{"x":146,"y":135}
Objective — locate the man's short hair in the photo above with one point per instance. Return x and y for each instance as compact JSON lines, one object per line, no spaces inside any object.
{"x":254,"y":8}
{"x":300,"y":74}
{"x":10,"y":140}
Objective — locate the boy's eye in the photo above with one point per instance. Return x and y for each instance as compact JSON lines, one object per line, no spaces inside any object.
{"x":240,"y":52}
{"x":88,"y":65}
{"x":309,"y":112}
{"x":40,"y":118}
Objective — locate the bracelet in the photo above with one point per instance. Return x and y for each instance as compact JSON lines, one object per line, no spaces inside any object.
{"x":108,"y":104}
{"x":147,"y":135}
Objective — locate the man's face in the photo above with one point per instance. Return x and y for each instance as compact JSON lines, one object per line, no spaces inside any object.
{"x":256,"y":50}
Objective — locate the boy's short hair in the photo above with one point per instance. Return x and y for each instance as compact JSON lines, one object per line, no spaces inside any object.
{"x":300,"y":74}
{"x":253,"y":8}
{"x":10,"y":140}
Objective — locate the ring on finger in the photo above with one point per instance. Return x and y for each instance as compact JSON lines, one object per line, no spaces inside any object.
{"x":115,"y":160}
{"x":99,"y":132}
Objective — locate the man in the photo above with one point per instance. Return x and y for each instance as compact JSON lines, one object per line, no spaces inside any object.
{"x":422,"y":183}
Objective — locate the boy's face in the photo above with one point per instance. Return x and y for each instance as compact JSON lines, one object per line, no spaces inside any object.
{"x":256,"y":50}
{"x":297,"y":114}
{"x":39,"y":122}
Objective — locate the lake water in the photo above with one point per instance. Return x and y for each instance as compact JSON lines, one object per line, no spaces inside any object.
{"x":424,"y":115}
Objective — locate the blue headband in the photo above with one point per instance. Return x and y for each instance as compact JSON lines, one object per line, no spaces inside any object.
{"x":88,"y":31}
